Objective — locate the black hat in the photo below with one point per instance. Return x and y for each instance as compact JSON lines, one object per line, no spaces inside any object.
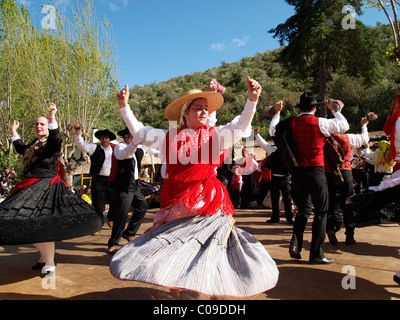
{"x":105,"y":132}
{"x":123,"y":132}
{"x":307,"y":100}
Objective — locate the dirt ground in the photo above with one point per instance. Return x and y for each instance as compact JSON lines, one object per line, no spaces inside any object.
{"x":360,"y":272}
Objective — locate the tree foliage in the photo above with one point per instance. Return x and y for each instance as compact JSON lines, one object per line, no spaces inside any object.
{"x":279,"y":82}
{"x":72,"y":66}
{"x":318,"y":42}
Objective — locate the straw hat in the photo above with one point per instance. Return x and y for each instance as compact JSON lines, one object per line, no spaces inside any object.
{"x":174,"y":109}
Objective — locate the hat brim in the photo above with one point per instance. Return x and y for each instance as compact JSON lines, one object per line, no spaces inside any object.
{"x":123,"y":132}
{"x":108,"y":133}
{"x":317,"y":103}
{"x":174,"y":109}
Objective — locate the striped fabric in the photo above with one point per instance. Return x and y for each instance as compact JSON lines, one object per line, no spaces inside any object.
{"x":205,"y":254}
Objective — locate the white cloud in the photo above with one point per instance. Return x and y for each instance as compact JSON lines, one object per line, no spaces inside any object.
{"x":229,"y":44}
{"x":117,"y":4}
{"x":240,"y":42}
{"x":218,"y":47}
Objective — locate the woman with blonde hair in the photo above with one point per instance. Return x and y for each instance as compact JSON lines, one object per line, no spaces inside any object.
{"x":193,"y":243}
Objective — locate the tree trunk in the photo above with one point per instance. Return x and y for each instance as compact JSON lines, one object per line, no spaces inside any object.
{"x":322,"y":85}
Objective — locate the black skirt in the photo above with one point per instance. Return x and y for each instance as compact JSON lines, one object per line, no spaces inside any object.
{"x":46,"y":213}
{"x":371,"y":208}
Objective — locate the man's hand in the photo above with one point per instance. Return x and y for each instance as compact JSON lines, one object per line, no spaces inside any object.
{"x":278,"y":107}
{"x":331,"y":105}
{"x":123,"y":97}
{"x":254,"y":89}
{"x":15,"y":126}
{"x":78,"y":127}
{"x":52,"y":110}
{"x":364,"y":122}
{"x":256,"y":131}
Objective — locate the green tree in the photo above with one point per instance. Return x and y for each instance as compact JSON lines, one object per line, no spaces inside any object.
{"x":390,"y":10}
{"x":73,"y":65}
{"x":318,"y":42}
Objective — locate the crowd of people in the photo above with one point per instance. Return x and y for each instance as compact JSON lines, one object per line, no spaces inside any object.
{"x":7,"y":181}
{"x":313,"y":167}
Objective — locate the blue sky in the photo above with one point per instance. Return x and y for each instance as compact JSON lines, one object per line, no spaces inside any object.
{"x":161,"y":39}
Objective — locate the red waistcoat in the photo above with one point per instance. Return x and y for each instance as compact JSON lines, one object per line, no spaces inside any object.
{"x":309,"y":141}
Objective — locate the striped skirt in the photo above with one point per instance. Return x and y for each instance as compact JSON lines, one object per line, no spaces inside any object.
{"x":205,"y":254}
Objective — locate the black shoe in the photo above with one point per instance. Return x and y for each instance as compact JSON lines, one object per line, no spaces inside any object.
{"x":396,"y":279}
{"x":294,"y":252}
{"x":332,"y":237}
{"x":289,"y":221}
{"x":38,"y":266}
{"x":350,"y":241}
{"x":272,"y":221}
{"x":324,"y":260}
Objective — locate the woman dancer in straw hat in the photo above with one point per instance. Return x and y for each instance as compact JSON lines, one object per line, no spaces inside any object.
{"x":193,"y":243}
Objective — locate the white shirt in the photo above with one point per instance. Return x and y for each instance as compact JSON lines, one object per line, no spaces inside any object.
{"x":327,"y":126}
{"x":90,"y":148}
{"x":155,"y":138}
{"x":123,"y":151}
{"x":358,"y":140}
{"x":265,"y":145}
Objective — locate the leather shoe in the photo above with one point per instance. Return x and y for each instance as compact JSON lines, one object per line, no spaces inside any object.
{"x":294,"y":252}
{"x":112,"y":250}
{"x":38,"y":266}
{"x":350,"y":241}
{"x":324,"y":260}
{"x":272,"y":221}
{"x":332,"y":237}
{"x":127,"y":238}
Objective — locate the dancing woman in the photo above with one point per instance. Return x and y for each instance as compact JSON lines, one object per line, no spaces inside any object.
{"x":193,"y":243}
{"x":41,"y":209}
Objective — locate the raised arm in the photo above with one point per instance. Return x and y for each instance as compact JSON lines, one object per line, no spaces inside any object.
{"x":331,"y":126}
{"x":241,"y":126}
{"x":147,"y":136}
{"x":85,"y":146}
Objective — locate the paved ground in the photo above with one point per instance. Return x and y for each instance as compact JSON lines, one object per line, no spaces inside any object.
{"x":82,"y":267}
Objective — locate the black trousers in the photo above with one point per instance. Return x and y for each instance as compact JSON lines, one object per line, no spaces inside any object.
{"x":310,"y":189}
{"x":346,"y":189}
{"x":125,"y":198}
{"x":102,"y":193}
{"x":281,"y":185}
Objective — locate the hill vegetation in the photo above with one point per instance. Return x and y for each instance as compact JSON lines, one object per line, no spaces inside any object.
{"x":279,"y":83}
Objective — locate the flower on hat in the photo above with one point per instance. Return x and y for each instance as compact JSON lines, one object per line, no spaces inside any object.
{"x":220,"y":89}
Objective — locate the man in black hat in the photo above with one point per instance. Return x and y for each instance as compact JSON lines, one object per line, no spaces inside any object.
{"x":309,"y":184}
{"x":127,"y":191}
{"x":101,"y":156}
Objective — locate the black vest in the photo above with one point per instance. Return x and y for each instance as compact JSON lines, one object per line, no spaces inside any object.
{"x":126,"y":169}
{"x":97,"y":160}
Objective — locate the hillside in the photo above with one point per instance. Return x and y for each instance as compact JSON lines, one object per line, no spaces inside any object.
{"x":279,"y":83}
